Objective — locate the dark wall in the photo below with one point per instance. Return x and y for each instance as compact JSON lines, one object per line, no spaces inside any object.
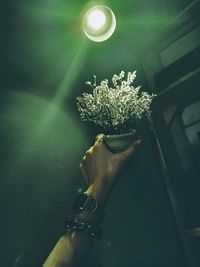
{"x":41,"y":146}
{"x":42,"y":139}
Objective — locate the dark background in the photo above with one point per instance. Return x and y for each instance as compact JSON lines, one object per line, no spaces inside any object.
{"x":45,"y":60}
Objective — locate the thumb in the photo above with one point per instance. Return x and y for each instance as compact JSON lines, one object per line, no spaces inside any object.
{"x":131,"y":150}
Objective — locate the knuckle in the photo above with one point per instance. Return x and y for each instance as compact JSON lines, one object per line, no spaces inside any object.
{"x":89,"y":151}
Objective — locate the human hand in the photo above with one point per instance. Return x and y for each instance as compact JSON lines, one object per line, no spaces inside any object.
{"x":100,"y":168}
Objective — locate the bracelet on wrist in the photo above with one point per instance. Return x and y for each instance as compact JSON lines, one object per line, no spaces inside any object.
{"x":86,"y":203}
{"x":76,"y":224}
{"x":85,"y":209}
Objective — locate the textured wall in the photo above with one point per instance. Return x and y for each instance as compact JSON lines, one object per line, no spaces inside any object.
{"x":41,"y":144}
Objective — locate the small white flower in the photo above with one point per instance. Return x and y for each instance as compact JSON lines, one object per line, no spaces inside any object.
{"x":88,"y":83}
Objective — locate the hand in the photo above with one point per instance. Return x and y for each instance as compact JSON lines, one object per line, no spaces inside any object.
{"x":100,"y":168}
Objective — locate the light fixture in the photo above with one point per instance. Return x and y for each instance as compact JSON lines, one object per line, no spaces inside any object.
{"x":99,"y":23}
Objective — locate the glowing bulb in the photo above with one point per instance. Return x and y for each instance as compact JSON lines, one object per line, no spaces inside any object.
{"x":99,"y":23}
{"x":96,"y":19}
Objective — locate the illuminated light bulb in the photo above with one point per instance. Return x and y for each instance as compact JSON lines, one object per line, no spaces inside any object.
{"x":99,"y":23}
{"x":96,"y":19}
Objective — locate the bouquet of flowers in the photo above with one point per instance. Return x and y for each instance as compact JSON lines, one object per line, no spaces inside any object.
{"x":115,"y":108}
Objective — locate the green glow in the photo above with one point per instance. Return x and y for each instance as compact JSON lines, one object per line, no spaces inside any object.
{"x":72,"y":73}
{"x":143,"y":21}
{"x":53,"y":138}
{"x":55,"y":48}
{"x":49,"y":117}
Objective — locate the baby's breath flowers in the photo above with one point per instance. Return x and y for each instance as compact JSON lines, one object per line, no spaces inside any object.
{"x":116,"y":109}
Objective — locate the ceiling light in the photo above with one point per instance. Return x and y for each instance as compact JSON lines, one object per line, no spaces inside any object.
{"x":99,"y":23}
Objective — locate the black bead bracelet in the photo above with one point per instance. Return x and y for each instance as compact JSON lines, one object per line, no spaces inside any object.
{"x":76,"y":224}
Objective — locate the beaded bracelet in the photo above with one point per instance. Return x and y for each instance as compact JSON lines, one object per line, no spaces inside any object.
{"x":79,"y":225}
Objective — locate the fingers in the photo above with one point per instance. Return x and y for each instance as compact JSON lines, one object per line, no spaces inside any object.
{"x":83,"y":172}
{"x":99,"y":143}
{"x":89,"y":151}
{"x":131,"y":150}
{"x":99,"y":139}
{"x":87,"y":156}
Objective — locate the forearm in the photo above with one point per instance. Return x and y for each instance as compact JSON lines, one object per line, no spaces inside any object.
{"x":100,"y":168}
{"x":72,"y":249}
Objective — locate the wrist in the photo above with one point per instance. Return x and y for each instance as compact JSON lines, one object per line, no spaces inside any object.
{"x":89,"y":206}
{"x":87,"y":216}
{"x":98,"y":193}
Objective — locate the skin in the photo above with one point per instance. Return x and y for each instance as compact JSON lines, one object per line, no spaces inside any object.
{"x":100,"y":168}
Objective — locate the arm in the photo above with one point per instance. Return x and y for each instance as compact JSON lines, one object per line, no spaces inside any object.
{"x":99,"y":168}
